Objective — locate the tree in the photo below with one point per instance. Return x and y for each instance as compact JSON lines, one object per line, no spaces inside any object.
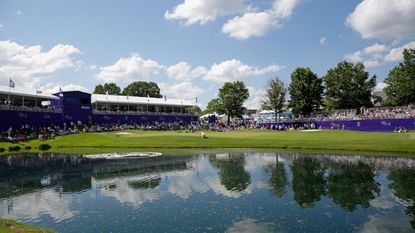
{"x":306,"y":91}
{"x":232,"y":96}
{"x":348,"y":86}
{"x":142,"y":89}
{"x":351,"y":185}
{"x":214,"y":105}
{"x":274,"y":96}
{"x":195,"y":110}
{"x":401,"y":81}
{"x":278,"y":179}
{"x":111,"y":88}
{"x":232,"y":173}
{"x":308,"y":181}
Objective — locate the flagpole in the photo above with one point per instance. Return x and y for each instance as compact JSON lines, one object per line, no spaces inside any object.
{"x":36,"y":97}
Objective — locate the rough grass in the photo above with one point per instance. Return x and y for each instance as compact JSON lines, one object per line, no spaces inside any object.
{"x":11,"y":226}
{"x":326,"y":140}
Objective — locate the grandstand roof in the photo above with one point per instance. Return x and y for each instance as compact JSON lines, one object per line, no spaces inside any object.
{"x":4,"y":90}
{"x":122,"y":99}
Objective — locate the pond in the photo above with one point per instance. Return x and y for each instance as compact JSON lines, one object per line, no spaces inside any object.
{"x":250,"y":192}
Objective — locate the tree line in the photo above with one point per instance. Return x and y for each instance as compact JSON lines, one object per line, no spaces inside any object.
{"x":346,"y":86}
{"x":139,"y":88}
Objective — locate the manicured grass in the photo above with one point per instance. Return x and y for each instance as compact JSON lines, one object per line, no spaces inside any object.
{"x":322,"y":141}
{"x":9,"y":226}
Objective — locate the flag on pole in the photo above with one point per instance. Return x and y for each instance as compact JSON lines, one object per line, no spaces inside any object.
{"x":11,"y":83}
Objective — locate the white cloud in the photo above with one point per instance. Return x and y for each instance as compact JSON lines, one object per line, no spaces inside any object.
{"x":256,"y":97}
{"x":1,"y":25}
{"x":184,"y":90}
{"x":27,"y":65}
{"x":323,"y":40}
{"x":256,"y":24}
{"x":19,"y":12}
{"x":375,"y":48}
{"x":395,"y":54}
{"x":384,"y":19}
{"x":92,"y":67}
{"x":252,"y":24}
{"x":232,"y":70}
{"x":183,"y":71}
{"x":202,"y":11}
{"x":380,"y":86}
{"x":51,"y":88}
{"x":378,"y":54}
{"x":128,"y":69}
{"x":284,"y":8}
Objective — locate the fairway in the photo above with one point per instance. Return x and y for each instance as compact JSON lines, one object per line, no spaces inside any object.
{"x":325,"y":140}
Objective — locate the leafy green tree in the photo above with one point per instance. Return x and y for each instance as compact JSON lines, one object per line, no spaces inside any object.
{"x":214,"y":105}
{"x":278,"y":178}
{"x":308,"y":181}
{"x":351,"y":185}
{"x":232,"y":96}
{"x":111,"y":88}
{"x":305,"y":91}
{"x":142,"y":89}
{"x":348,"y":86}
{"x":274,"y":96}
{"x":401,"y":81}
{"x":195,"y":110}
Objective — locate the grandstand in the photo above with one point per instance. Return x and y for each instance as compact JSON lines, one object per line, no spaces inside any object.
{"x":21,"y":108}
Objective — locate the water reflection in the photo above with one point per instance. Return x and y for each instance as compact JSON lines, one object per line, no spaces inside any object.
{"x":218,"y":193}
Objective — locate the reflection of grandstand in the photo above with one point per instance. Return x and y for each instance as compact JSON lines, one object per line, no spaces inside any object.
{"x":39,"y":110}
{"x":21,"y":174}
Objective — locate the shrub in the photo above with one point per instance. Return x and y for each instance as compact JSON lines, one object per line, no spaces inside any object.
{"x":44,"y":146}
{"x":14,"y":148}
{"x":2,"y":149}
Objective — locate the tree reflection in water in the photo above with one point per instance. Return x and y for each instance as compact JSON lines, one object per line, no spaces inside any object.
{"x":403,"y":186}
{"x":350,"y":185}
{"x":232,"y":173}
{"x":278,"y":179}
{"x":308,"y":182}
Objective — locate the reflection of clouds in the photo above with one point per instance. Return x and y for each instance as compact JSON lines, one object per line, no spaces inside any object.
{"x":121,"y":190}
{"x":256,"y":161}
{"x":32,"y":206}
{"x":385,"y":224}
{"x":384,"y":201}
{"x":249,"y":226}
{"x":185,"y":184}
{"x":218,"y":188}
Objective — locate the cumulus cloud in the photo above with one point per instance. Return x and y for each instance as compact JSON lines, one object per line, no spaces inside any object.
{"x":51,"y":88}
{"x":323,"y":40}
{"x":380,"y":86}
{"x":183,"y":71}
{"x":256,"y":97}
{"x":202,"y":11}
{"x":232,"y":70}
{"x":184,"y":90}
{"x":378,"y":54}
{"x":256,"y":24}
{"x":395,"y":54}
{"x":384,"y":19}
{"x":252,"y":24}
{"x":127,"y":69}
{"x":27,"y":65}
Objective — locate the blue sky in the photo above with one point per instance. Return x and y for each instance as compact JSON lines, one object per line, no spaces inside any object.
{"x":191,"y":47}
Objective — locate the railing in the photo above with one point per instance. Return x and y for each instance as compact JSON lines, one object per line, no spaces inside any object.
{"x":136,"y":113}
{"x":30,"y":109}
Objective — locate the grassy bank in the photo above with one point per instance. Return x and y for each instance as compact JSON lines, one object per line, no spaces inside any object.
{"x":326,"y":140}
{"x":9,"y":226}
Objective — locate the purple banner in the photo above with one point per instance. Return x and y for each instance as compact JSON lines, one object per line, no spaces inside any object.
{"x":375,"y":125}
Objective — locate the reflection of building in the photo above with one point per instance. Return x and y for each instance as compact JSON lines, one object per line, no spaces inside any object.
{"x":40,"y":110}
{"x":25,"y":173}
